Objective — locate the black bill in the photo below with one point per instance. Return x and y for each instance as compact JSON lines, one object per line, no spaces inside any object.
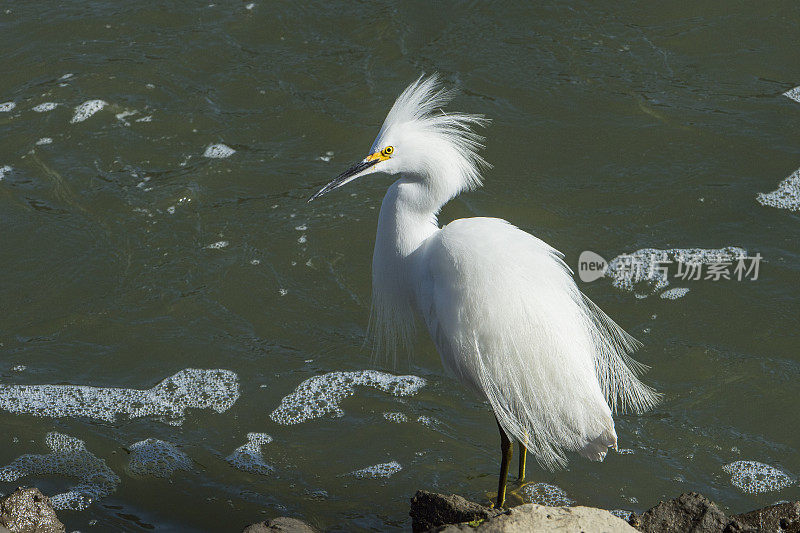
{"x":346,"y":176}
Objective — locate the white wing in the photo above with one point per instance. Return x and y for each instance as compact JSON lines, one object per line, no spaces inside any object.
{"x":509,"y":321}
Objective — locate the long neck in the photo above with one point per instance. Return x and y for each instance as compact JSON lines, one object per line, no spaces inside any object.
{"x":403,"y":225}
{"x":407,"y":218}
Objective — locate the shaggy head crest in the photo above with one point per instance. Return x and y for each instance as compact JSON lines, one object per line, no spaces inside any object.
{"x":417,"y":113}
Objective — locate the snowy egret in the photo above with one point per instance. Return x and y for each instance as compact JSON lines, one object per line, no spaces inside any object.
{"x":501,"y":305}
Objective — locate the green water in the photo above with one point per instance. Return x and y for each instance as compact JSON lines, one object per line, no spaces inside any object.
{"x":615,"y":128}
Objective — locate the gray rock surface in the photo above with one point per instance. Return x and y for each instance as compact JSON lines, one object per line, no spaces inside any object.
{"x":688,"y":513}
{"x":532,"y":517}
{"x":694,"y":513}
{"x":282,"y":524}
{"x":28,"y":511}
{"x":439,"y":512}
{"x":784,"y":517}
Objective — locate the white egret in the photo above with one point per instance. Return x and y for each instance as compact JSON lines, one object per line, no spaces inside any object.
{"x":501,"y":305}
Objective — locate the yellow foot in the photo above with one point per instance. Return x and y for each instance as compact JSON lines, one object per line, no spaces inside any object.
{"x":492,"y":498}
{"x":514,"y":495}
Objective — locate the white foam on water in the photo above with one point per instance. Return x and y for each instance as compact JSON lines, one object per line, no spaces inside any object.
{"x":123,"y":115}
{"x":44,"y":140}
{"x":148,"y":118}
{"x":397,"y":418}
{"x":786,"y":196}
{"x":546,"y":494}
{"x":69,"y":457}
{"x":5,"y":169}
{"x":428,"y":421}
{"x":249,"y":457}
{"x":45,"y":107}
{"x":5,"y":107}
{"x":674,"y":294}
{"x":320,"y":395}
{"x":219,"y":245}
{"x":87,"y":109}
{"x":646,"y":269}
{"x":218,"y":151}
{"x":156,"y":458}
{"x":318,"y":494}
{"x":622,"y":513}
{"x":794,"y":94}
{"x":190,"y":388}
{"x":382,"y":470}
{"x":754,"y":477}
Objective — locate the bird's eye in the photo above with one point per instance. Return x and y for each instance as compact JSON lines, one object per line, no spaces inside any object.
{"x":388,"y":150}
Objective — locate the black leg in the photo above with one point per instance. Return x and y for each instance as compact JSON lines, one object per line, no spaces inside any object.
{"x":523,"y":454}
{"x":506,"y":451}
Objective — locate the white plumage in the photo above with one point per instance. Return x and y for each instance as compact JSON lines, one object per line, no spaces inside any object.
{"x":509,"y":321}
{"x":501,"y":305}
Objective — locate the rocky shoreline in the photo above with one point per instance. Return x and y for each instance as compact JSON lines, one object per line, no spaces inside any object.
{"x":27,"y":510}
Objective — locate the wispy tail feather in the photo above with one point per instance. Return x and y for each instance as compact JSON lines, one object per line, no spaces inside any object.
{"x":616,"y":369}
{"x":596,"y":450}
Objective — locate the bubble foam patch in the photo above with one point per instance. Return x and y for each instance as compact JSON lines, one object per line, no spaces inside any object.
{"x":156,"y":458}
{"x":786,"y":196}
{"x":645,"y":271}
{"x":218,"y":151}
{"x":794,"y":94}
{"x":5,"y":169}
{"x":397,"y":418}
{"x":45,"y":107}
{"x":674,"y":294}
{"x":249,"y":457}
{"x":754,"y":477}
{"x":87,"y":109}
{"x":190,"y":388}
{"x":546,"y":494}
{"x":69,"y":457}
{"x":5,"y":107}
{"x":428,"y":421}
{"x":317,"y":396}
{"x":382,"y":470}
{"x":622,"y":513}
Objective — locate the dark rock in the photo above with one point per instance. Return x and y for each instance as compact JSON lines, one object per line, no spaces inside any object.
{"x":430,"y":510}
{"x":29,"y":511}
{"x":282,"y":524}
{"x":688,"y":513}
{"x":784,"y":517}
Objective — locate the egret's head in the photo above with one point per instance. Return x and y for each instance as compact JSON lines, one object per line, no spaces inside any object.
{"x":419,"y":139}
